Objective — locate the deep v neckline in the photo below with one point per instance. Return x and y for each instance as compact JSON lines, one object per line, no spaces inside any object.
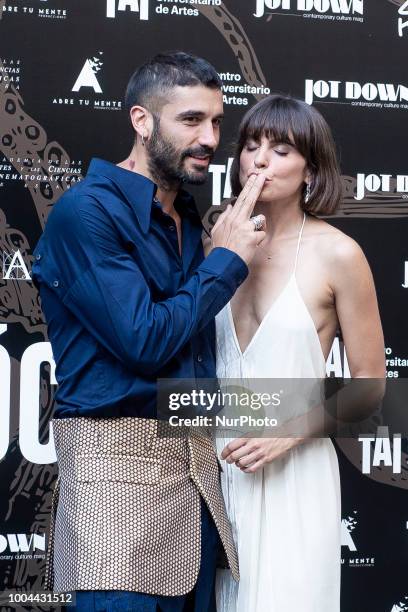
{"x":261,"y":324}
{"x":271,"y":307}
{"x":242,"y":354}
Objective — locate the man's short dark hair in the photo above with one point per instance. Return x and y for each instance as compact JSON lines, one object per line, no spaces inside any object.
{"x":151,"y":83}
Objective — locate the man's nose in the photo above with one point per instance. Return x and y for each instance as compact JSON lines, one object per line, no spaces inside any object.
{"x":209,"y":136}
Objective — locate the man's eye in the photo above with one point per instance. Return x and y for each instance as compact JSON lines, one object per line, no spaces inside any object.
{"x":217,"y":122}
{"x":191,"y":120}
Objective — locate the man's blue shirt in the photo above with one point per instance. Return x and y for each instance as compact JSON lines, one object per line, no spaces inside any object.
{"x":123,"y":308}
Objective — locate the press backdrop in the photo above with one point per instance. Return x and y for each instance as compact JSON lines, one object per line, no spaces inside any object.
{"x":64,"y":66}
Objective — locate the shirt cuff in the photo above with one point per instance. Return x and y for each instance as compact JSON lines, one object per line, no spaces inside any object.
{"x":227,"y":265}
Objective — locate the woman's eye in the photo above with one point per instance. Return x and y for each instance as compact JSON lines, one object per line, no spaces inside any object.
{"x":281,"y":153}
{"x":251,"y":147}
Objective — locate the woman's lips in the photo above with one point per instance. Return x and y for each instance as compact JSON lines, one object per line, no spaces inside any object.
{"x":267,"y":178}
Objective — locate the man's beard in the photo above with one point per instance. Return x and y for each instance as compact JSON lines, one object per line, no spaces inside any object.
{"x":166,"y":162}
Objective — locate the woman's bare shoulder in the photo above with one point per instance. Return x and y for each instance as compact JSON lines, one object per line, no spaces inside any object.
{"x":336,"y":246}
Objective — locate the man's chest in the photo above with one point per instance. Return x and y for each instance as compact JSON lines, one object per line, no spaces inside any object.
{"x":166,"y":255}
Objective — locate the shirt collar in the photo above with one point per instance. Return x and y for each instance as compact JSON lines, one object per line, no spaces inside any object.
{"x":140,"y":192}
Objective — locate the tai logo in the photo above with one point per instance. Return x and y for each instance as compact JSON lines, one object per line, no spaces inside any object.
{"x":352,"y":90}
{"x":337,"y":363}
{"x":21,"y":542}
{"x":386,"y":453}
{"x":218,"y":171}
{"x":136,"y":6}
{"x":87,"y":76}
{"x":405,"y":283}
{"x":347,"y":527}
{"x":14,"y":267}
{"x":341,"y":7}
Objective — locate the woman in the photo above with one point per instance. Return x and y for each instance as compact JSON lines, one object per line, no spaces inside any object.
{"x":306,"y":280}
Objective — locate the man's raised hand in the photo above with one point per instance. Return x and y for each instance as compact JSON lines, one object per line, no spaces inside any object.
{"x":234,"y":229}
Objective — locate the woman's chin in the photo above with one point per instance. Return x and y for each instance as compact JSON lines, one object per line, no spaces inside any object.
{"x":266,"y":198}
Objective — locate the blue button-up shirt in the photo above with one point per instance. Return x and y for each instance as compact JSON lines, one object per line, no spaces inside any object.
{"x":123,"y":307}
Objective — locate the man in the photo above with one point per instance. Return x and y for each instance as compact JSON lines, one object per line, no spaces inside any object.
{"x":128,"y":299}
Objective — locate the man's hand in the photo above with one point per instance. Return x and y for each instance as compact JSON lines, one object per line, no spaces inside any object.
{"x":251,"y":454}
{"x":233,"y":229}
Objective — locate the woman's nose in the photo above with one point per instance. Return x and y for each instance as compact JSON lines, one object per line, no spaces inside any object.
{"x":260,"y":161}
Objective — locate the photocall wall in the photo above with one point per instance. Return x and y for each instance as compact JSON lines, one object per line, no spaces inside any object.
{"x":64,"y":66}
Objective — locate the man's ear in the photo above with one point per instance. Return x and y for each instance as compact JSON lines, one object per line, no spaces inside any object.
{"x":142,"y":122}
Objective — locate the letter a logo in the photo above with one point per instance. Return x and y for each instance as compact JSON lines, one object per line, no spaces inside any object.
{"x":400,"y":607}
{"x":87,"y":76}
{"x":14,"y":267}
{"x":347,"y":526}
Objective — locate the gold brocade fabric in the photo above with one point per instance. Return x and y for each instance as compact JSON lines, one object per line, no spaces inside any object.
{"x":126,"y":507}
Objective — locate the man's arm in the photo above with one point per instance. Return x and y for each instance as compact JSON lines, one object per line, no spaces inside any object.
{"x":83,"y":261}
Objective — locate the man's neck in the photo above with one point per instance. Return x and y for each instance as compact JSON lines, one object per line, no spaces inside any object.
{"x":166,"y":199}
{"x":137,"y":162}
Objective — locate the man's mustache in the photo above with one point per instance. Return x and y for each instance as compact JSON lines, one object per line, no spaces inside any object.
{"x":202,"y":151}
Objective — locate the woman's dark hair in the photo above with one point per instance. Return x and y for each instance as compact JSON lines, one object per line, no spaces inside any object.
{"x":151,"y":83}
{"x":286,"y":119}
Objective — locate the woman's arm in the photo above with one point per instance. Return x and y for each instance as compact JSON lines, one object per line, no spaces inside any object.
{"x":357,"y":310}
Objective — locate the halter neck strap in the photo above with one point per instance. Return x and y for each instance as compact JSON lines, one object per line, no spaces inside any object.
{"x":298,"y":243}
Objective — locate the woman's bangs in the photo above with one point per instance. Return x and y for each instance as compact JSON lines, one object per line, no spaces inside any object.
{"x":277,"y":124}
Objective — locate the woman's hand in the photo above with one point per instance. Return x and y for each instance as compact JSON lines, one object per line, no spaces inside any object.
{"x":251,"y":454}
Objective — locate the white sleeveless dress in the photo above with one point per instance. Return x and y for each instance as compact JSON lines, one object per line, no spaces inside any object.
{"x":285,"y":517}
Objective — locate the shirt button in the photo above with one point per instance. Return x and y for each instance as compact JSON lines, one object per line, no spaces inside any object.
{"x":199,"y":358}
{"x":38,"y":257}
{"x":56,"y":283}
{"x":171,"y":228}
